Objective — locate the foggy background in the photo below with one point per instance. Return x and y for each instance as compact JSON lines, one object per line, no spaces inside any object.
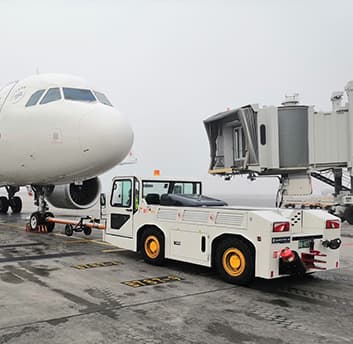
{"x":169,"y":64}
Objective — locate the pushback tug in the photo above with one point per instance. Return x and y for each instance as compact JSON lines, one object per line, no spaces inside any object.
{"x":167,"y":218}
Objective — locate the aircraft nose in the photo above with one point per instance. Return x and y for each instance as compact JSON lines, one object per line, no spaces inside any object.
{"x":105,"y":137}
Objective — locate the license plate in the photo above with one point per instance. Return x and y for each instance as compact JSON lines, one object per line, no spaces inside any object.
{"x":305,"y":243}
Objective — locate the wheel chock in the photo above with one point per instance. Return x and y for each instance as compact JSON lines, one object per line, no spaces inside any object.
{"x":39,"y":229}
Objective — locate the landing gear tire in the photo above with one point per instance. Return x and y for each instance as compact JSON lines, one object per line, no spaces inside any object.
{"x":50,"y":225}
{"x":4,"y":205}
{"x":235,"y":261}
{"x":87,"y":230}
{"x":35,"y":220}
{"x":15,"y":204}
{"x":69,"y":230}
{"x":348,"y":214}
{"x":152,"y":247}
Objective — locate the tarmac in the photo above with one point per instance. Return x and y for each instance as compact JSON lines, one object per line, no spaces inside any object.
{"x":59,"y":289}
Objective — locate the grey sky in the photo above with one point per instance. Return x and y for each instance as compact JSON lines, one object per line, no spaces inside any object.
{"x":170,"y":64}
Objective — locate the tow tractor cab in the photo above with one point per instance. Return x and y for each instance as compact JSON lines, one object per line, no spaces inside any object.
{"x":169,"y":218}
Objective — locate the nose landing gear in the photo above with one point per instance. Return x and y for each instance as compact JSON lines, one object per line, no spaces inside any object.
{"x":39,"y":218}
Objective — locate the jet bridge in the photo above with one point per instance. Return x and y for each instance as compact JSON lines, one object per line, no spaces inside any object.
{"x":291,"y":140}
{"x":282,"y":139}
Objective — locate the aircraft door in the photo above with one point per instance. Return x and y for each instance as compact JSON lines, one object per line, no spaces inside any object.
{"x":121,"y":208}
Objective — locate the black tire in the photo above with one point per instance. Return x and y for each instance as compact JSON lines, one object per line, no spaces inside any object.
{"x":348,"y":214}
{"x":235,"y":261}
{"x":35,"y":220}
{"x":87,"y":230}
{"x":50,"y":225}
{"x":152,"y":246}
{"x":4,"y":205}
{"x":15,"y":204}
{"x":69,"y":230}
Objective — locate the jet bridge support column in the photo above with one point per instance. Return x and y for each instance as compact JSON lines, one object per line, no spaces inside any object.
{"x":338,"y":181}
{"x":349,"y":90}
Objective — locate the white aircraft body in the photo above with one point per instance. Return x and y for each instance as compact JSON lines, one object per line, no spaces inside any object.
{"x":58,"y":134}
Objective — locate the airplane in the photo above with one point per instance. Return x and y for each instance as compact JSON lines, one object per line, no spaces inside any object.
{"x":57,"y":134}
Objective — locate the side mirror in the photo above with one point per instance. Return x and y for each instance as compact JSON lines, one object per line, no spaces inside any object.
{"x":102,"y":200}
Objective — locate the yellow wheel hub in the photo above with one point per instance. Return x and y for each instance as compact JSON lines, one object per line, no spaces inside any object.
{"x":152,"y":247}
{"x":233,"y":261}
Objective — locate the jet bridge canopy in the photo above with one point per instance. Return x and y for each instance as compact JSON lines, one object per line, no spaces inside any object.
{"x":233,"y":139}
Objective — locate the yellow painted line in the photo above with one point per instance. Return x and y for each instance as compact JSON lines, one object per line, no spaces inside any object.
{"x":79,"y":241}
{"x":96,"y":265}
{"x":152,"y":281}
{"x":64,"y":235}
{"x":95,"y":241}
{"x":114,"y":250}
{"x":100,"y":242}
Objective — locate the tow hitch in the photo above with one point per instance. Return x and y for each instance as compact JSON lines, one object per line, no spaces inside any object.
{"x":332,"y":244}
{"x":290,"y":263}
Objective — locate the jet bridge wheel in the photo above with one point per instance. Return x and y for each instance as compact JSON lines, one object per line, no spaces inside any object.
{"x":152,"y":246}
{"x":348,"y":214}
{"x":234,"y":261}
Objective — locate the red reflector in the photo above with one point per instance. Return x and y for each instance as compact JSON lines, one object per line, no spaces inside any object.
{"x":281,"y":227}
{"x":337,"y":264}
{"x":272,"y":274}
{"x":333,"y":224}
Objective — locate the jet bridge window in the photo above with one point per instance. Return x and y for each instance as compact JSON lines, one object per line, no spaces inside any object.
{"x":33,"y":100}
{"x":239,"y":143}
{"x":78,"y":94}
{"x":102,"y":98}
{"x":52,"y":95}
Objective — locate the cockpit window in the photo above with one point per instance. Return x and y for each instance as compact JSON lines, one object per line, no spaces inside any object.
{"x":33,"y":100}
{"x":78,"y":94}
{"x":102,"y":98}
{"x":52,"y":95}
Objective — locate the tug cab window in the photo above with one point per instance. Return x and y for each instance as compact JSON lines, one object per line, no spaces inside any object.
{"x":102,"y":98}
{"x":187,"y":188}
{"x":121,"y":195}
{"x":33,"y":100}
{"x":82,"y":95}
{"x":170,"y":187}
{"x":52,"y":95}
